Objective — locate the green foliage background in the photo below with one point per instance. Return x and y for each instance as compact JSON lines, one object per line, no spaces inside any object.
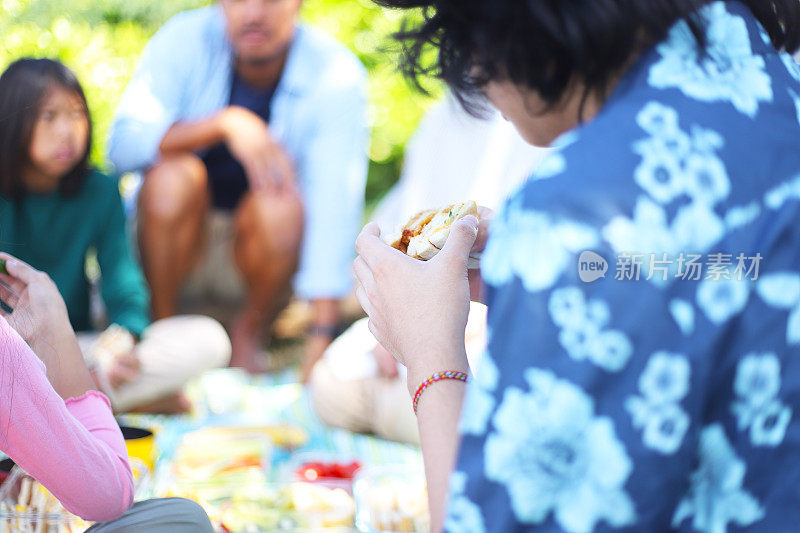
{"x":101,"y":40}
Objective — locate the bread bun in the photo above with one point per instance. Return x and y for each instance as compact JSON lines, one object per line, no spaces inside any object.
{"x":424,"y":235}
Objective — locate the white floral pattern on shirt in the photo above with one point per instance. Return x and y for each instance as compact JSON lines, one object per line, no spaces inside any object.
{"x":663,"y":385}
{"x":554,"y":456}
{"x":796,"y":99}
{"x":479,"y":402}
{"x":716,"y":496}
{"x":791,"y":65}
{"x":782,"y":290}
{"x":583,"y":334}
{"x":552,"y":165}
{"x":757,"y":407}
{"x":675,"y":165}
{"x":779,"y":195}
{"x":683,"y":314}
{"x":533,"y":246}
{"x":728,"y":72}
{"x":741,"y":215}
{"x":463,"y":515}
{"x":721,"y":300}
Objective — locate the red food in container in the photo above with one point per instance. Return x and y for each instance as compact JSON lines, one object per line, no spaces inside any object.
{"x":316,"y":470}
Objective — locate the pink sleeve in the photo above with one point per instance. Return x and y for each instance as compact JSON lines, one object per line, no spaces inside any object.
{"x":75,"y":449}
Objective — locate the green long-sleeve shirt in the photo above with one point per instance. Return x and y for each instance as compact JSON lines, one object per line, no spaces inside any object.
{"x":54,"y":234}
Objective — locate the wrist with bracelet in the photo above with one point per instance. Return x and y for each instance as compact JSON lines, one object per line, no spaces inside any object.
{"x":435,"y":378}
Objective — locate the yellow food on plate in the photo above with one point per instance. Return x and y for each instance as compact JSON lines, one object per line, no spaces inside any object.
{"x":293,"y":506}
{"x":210,"y":465}
{"x":282,"y":436}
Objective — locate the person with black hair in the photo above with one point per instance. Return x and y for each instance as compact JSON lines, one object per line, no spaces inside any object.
{"x":56,"y":211}
{"x":643,"y":295}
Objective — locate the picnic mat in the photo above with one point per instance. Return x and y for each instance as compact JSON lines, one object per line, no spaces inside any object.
{"x":230,"y":397}
{"x":245,"y":475}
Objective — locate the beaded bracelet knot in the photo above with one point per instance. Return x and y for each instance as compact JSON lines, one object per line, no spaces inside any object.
{"x":438,"y":376}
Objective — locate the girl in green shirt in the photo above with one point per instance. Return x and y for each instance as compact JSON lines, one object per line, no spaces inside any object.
{"x":55,"y":210}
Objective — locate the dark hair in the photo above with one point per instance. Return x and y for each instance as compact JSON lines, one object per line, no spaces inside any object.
{"x":23,"y":87}
{"x":547,"y":44}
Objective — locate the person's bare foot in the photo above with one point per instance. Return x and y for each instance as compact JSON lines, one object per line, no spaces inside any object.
{"x":174,"y":404}
{"x":246,"y":345}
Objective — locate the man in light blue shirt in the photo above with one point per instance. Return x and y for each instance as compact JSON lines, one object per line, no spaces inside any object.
{"x":236,"y":108}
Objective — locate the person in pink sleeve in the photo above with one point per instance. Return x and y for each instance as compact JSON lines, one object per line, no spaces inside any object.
{"x":56,"y":426}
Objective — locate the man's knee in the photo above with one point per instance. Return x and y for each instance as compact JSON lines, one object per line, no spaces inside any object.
{"x":173,"y":188}
{"x":274,"y":224}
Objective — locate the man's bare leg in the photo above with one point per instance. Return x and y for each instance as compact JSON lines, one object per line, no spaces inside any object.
{"x":173,"y":203}
{"x":269,"y":231}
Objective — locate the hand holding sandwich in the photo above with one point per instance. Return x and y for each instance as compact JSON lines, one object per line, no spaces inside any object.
{"x":115,"y":357}
{"x":418,"y":309}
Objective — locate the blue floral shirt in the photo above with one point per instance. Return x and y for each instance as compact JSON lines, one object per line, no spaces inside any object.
{"x":643,"y":365}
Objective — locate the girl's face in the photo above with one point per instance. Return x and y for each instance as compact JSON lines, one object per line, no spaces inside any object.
{"x":59,"y":139}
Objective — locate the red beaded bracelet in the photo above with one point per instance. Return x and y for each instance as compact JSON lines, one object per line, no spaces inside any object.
{"x":438,"y":376}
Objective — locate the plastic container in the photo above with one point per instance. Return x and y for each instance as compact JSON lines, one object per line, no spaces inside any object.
{"x":142,"y":479}
{"x":5,"y":469}
{"x":391,"y":498}
{"x":29,"y":522}
{"x":287,"y":507}
{"x":27,"y":507}
{"x":41,"y":512}
{"x":291,"y":471}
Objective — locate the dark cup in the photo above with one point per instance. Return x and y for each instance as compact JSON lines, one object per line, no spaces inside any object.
{"x":5,"y":469}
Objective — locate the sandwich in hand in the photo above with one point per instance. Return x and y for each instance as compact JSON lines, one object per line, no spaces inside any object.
{"x":112,"y":343}
{"x":424,"y":235}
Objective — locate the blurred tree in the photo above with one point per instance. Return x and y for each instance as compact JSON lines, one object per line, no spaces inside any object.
{"x":102,"y":40}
